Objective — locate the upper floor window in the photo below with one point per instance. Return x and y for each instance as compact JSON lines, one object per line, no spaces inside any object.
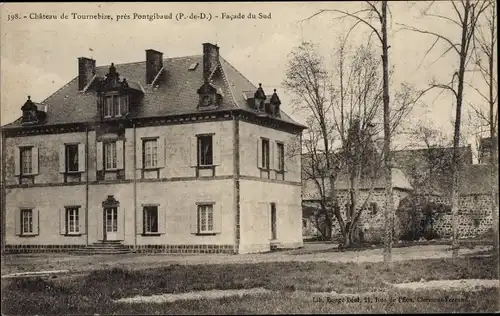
{"x":72,"y":157}
{"x":26,"y":160}
{"x":115,"y":105}
{"x":110,"y":155}
{"x":205,"y":152}
{"x":150,"y":153}
{"x":265,"y":154}
{"x":280,"y":148}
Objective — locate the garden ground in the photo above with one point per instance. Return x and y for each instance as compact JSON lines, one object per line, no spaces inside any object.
{"x":294,"y":288}
{"x":312,"y":252}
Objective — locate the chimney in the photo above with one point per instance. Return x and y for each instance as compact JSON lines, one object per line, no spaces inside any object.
{"x":210,"y":59}
{"x":154,"y":63}
{"x":86,"y":71}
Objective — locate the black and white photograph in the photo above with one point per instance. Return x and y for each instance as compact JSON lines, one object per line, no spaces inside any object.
{"x":187,"y":158}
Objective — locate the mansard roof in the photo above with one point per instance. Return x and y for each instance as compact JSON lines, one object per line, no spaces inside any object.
{"x":175,"y":95}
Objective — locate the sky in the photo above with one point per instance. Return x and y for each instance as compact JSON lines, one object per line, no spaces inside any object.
{"x":38,"y":56}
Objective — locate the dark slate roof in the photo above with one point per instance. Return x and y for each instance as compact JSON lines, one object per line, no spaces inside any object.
{"x":174,"y":96}
{"x":474,"y":178}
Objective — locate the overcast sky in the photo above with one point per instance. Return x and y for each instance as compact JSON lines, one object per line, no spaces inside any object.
{"x":40,"y":56}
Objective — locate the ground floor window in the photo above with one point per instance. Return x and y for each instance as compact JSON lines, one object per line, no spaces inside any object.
{"x":205,"y":218}
{"x":151,"y":219}
{"x":27,"y":221}
{"x":72,"y":220}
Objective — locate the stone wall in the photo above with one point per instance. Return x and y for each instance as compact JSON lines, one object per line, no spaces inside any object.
{"x":474,"y":215}
{"x":372,"y":220}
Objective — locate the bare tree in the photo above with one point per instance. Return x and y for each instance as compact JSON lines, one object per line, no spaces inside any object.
{"x":358,"y":105}
{"x":366,"y":16}
{"x":309,"y":83}
{"x":486,"y":40}
{"x":467,"y":14}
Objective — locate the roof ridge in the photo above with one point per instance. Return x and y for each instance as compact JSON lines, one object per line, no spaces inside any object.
{"x":415,"y":149}
{"x":143,"y":61}
{"x":242,"y":75}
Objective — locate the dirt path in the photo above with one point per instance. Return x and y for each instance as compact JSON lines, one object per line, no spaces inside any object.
{"x":41,"y":262}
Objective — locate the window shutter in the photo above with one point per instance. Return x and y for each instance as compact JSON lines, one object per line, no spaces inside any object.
{"x":217,"y":218}
{"x":99,"y":156}
{"x":194,"y":151}
{"x":194,"y":220}
{"x":217,"y":149}
{"x":162,"y":222}
{"x":82,"y":220}
{"x":138,"y":154}
{"x":259,"y":153}
{"x":62,"y":221}
{"x":81,"y":157}
{"x":160,"y":143}
{"x":17,"y":161}
{"x":36,"y":222}
{"x":119,"y":154}
{"x":100,"y":223}
{"x":62,"y":158}
{"x":18,"y":222}
{"x":34,"y":160}
{"x":139,"y":218}
{"x":120,"y":234}
{"x":272,"y":154}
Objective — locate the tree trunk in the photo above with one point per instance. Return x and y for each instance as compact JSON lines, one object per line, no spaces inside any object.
{"x":388,"y":212}
{"x":493,"y":145}
{"x":456,"y":136}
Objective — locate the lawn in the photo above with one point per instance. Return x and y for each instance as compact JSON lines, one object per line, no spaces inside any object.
{"x":294,"y":283}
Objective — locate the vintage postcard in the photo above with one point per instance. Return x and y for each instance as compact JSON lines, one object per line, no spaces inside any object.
{"x":249,"y":157}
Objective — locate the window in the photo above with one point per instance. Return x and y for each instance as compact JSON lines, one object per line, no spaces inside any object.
{"x":265,"y":153}
{"x":72,"y":157}
{"x":26,"y":161}
{"x":281,"y":156}
{"x":150,"y":219}
{"x":115,"y":105}
{"x":205,"y":218}
{"x":273,"y":221}
{"x":205,"y":153}
{"x":111,"y":218}
{"x":150,"y":153}
{"x":110,"y":155}
{"x":72,"y":220}
{"x":27,"y":221}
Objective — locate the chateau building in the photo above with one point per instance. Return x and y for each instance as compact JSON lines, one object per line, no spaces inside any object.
{"x":167,"y":155}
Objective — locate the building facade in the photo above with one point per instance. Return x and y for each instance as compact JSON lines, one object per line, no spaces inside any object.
{"x":171,"y":155}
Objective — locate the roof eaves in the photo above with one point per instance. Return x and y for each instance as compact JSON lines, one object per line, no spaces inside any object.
{"x":226,"y":81}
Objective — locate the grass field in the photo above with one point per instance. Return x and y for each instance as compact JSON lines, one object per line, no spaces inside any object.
{"x":295,"y":285}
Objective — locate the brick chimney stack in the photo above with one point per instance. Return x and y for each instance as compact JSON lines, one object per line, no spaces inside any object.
{"x":154,"y":63}
{"x":210,"y":59}
{"x":86,"y":71}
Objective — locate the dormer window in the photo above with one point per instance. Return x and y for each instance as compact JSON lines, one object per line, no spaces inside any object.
{"x":260,"y":99}
{"x":115,"y":105}
{"x":210,"y":97}
{"x":31,"y":115}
